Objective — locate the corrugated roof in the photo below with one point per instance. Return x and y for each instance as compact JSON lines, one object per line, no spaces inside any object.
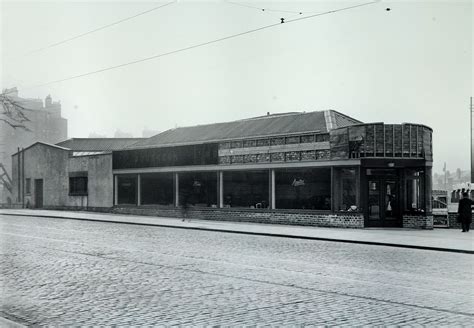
{"x":98,"y":144}
{"x":269,"y":125}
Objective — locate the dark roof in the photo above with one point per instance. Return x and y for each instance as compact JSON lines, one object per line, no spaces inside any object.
{"x":269,"y":125}
{"x":98,"y":144}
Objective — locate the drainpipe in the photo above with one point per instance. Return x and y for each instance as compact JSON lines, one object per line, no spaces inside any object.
{"x":19,"y":174}
{"x":23,"y":177}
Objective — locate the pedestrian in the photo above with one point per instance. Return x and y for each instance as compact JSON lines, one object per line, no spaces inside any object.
{"x":465,"y":212}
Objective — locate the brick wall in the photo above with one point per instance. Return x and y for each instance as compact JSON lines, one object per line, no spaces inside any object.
{"x":418,"y":221}
{"x":306,"y":218}
{"x":453,"y":223}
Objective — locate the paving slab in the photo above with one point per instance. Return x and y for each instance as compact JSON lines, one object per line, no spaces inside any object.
{"x":450,"y":240}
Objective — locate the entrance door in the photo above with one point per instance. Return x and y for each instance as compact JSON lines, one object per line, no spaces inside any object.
{"x":384,"y":203}
{"x":38,"y":193}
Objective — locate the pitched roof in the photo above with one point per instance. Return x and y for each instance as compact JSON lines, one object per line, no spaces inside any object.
{"x":41,"y":143}
{"x":263,"y":126}
{"x":97,"y":144}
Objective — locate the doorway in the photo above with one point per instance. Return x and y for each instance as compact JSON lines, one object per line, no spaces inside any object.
{"x":384,"y":202}
{"x":38,"y":193}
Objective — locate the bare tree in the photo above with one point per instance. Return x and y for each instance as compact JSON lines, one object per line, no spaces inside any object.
{"x":13,"y":112}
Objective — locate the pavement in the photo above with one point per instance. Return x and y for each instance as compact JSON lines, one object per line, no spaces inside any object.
{"x":446,"y":240}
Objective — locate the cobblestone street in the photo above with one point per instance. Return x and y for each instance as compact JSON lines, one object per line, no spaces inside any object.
{"x":66,"y":272}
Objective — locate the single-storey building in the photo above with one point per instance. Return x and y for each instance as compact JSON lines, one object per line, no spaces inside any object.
{"x":75,"y":173}
{"x":319,"y":168}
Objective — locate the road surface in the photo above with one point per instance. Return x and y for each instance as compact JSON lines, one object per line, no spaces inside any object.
{"x":69,"y":272}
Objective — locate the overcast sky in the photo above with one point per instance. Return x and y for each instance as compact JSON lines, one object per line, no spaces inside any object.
{"x":413,"y":63}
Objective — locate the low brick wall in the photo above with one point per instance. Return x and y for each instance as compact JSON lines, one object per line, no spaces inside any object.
{"x":12,"y":206}
{"x":302,"y":218}
{"x":418,"y":222}
{"x":453,"y":221}
{"x":80,"y":208}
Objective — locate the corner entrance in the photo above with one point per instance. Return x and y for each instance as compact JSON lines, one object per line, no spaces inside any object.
{"x":384,"y":202}
{"x":38,"y":193}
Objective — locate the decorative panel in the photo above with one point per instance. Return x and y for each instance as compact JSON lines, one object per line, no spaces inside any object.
{"x":427,"y":147}
{"x":293,"y":140}
{"x":398,"y":140}
{"x":236,"y":144}
{"x":322,"y":137}
{"x":263,"y":158}
{"x":307,"y":138}
{"x":308,"y":155}
{"x":406,"y":140}
{"x":389,"y":140}
{"x":263,"y":142}
{"x":237,"y":159}
{"x":323,"y":154}
{"x":249,"y":143}
{"x":224,"y":160}
{"x":356,"y":141}
{"x":278,"y":141}
{"x":250,"y":158}
{"x":278,"y":157}
{"x":224,"y":145}
{"x":420,"y":141}
{"x":379,"y":140}
{"x":370,"y":139}
{"x":292,"y":156}
{"x":339,"y":143}
{"x":413,"y":141}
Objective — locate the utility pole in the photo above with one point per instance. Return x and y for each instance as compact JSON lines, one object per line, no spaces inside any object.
{"x":471,"y":110}
{"x":445,"y":178}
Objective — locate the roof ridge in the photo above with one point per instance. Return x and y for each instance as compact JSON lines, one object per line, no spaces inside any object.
{"x":42,"y":143}
{"x":243,"y":120}
{"x":105,"y":138}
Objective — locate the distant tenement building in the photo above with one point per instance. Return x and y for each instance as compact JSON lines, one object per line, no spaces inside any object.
{"x":45,"y":124}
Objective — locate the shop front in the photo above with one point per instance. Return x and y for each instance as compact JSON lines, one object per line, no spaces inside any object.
{"x":359,"y":175}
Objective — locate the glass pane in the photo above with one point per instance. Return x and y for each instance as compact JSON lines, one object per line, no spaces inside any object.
{"x":374,"y":200}
{"x":391,"y":200}
{"x":198,"y":189}
{"x":339,"y":141}
{"x":157,"y":189}
{"x":356,"y":141}
{"x":303,"y":189}
{"x":127,"y":190}
{"x":349,"y":194}
{"x":345,"y":192}
{"x":413,"y":195}
{"x":246,"y":189}
{"x":414,"y":201}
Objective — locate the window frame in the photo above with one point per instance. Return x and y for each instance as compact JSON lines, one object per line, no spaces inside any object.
{"x":73,"y":186}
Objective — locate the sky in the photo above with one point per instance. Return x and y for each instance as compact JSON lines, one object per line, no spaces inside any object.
{"x":412,"y":63}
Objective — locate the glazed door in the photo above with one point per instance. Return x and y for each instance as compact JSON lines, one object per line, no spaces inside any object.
{"x":384,"y":203}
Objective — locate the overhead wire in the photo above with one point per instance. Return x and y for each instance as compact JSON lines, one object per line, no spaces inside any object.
{"x":99,"y":28}
{"x":263,"y":9}
{"x":201,"y":44}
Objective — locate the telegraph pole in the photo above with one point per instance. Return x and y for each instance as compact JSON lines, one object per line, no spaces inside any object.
{"x":471,"y":110}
